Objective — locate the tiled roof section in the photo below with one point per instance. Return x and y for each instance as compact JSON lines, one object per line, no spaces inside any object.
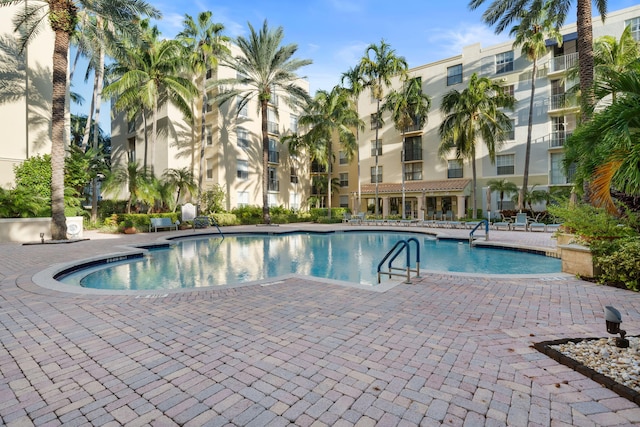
{"x":448,"y":185}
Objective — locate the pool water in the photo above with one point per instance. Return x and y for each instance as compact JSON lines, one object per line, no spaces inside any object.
{"x":348,"y":256}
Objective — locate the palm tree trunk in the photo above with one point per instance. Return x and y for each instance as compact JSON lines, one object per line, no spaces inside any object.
{"x":58,"y":220}
{"x":329,"y":180}
{"x":585,"y":54}
{"x":403,"y":155}
{"x":146,"y":139}
{"x":154,"y":136}
{"x":92,"y":106}
{"x":376,"y":169}
{"x":474,"y":214}
{"x":96,"y":131}
{"x":265,"y":163}
{"x":527,"y":155}
{"x":203,"y":137}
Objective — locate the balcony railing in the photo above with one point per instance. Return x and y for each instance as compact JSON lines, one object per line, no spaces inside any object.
{"x":272,"y":127}
{"x":564,"y":62}
{"x":273,"y":186}
{"x":554,"y":139}
{"x":274,"y":156}
{"x":561,"y":101}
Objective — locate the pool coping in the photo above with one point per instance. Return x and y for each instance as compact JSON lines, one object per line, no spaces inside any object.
{"x":47,"y":278}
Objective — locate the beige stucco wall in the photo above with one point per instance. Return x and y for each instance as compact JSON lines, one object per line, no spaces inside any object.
{"x":25,"y":230}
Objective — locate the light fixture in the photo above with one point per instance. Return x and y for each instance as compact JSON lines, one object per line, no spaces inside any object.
{"x":613,"y":318}
{"x":42,"y":237}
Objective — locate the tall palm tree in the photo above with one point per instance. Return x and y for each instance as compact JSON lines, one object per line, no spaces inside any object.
{"x":377,"y":67}
{"x":409,"y":107}
{"x":503,"y":187}
{"x":533,"y":40}
{"x":328,"y":114}
{"x":62,"y":16}
{"x":606,"y":150}
{"x":205,"y":44}
{"x":264,"y":65}
{"x":470,"y":115}
{"x":148,"y":76}
{"x":503,"y":12}
{"x":135,"y":177}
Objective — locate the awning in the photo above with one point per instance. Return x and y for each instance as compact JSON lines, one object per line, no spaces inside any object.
{"x":444,"y":186}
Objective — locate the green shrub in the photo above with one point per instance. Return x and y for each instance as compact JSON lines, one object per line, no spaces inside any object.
{"x":590,"y":223}
{"x":225,"y":219}
{"x":316,"y":213}
{"x":107,"y":207}
{"x":248,"y":214}
{"x":619,"y":262}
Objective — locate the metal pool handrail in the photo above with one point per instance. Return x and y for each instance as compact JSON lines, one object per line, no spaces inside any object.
{"x":394,"y":252}
{"x":486,"y":230}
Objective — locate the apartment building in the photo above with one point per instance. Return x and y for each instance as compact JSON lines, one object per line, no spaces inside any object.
{"x":436,"y":186}
{"x":25,"y":96}
{"x":232,"y":152}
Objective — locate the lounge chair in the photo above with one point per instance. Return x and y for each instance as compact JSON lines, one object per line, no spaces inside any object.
{"x":537,"y":226}
{"x":521,"y":222}
{"x":552,"y":227}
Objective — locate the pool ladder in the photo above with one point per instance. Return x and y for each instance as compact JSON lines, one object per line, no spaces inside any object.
{"x":486,"y":231}
{"x":398,"y":248}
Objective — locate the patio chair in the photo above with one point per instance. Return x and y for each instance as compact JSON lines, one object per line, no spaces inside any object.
{"x":537,"y":226}
{"x":521,"y":222}
{"x":501,"y":223}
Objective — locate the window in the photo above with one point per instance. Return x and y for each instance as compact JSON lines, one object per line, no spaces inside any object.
{"x":243,"y":199}
{"x":413,"y":171}
{"x":243,"y":137}
{"x":504,"y":62}
{"x":454,"y":75}
{"x":294,"y":200}
{"x":131,"y":142}
{"x":131,"y":126}
{"x":209,"y":73}
{"x":376,"y":177}
{"x":511,"y":134}
{"x":209,"y":166}
{"x":344,"y":180}
{"x":635,"y":27}
{"x":274,"y":152}
{"x":508,"y":90}
{"x":272,"y":200}
{"x":317,"y":167}
{"x":376,"y":148}
{"x":209,"y":135}
{"x":344,"y":201}
{"x":243,"y":110}
{"x":558,"y":133}
{"x":413,"y":148}
{"x":454,"y":168}
{"x":557,"y":175}
{"x":376,"y":121}
{"x":243,"y":169}
{"x":272,"y":122}
{"x":273,"y":184}
{"x":343,"y":158}
{"x":293,"y":123}
{"x":505,"y":164}
{"x":294,"y":175}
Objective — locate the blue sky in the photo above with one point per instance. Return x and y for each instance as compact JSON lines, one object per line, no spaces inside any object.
{"x":335,"y":33}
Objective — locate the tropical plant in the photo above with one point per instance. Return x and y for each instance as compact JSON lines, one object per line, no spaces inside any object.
{"x":180,"y":181}
{"x":147,"y":75}
{"x":533,"y":40}
{"x":329,"y":114}
{"x":21,"y":203}
{"x":135,"y":178}
{"x":321,"y":185}
{"x":470,"y":115}
{"x":409,"y":107}
{"x":376,"y":69}
{"x":606,"y":150}
{"x":212,"y":200}
{"x":204,"y":44}
{"x":533,"y":196}
{"x":264,"y":67}
{"x":503,"y":187}
{"x":62,"y":16}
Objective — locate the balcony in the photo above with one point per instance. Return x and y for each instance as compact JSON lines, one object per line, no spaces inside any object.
{"x":562,"y":101}
{"x":273,"y":185}
{"x":274,"y":156}
{"x":564,"y":62}
{"x":272,"y":128}
{"x":555,"y":139}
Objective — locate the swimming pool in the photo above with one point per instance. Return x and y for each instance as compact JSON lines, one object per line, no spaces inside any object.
{"x":345,"y":256}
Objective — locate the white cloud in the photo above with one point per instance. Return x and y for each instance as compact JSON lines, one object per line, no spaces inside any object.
{"x":352,"y":6}
{"x":349,"y":55}
{"x":450,"y":42}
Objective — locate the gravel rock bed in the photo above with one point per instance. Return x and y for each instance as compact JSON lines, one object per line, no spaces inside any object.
{"x":620,"y":364}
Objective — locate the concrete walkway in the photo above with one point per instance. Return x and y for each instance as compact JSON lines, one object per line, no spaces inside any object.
{"x":446,"y":350}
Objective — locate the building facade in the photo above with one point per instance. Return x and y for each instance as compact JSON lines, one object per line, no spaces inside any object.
{"x":25,"y":96}
{"x":231,"y":158}
{"x":436,"y":186}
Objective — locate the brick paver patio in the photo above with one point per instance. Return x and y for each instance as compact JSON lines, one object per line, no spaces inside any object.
{"x":451,"y":350}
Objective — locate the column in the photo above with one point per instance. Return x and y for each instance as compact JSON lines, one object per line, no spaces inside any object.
{"x":461,"y":207}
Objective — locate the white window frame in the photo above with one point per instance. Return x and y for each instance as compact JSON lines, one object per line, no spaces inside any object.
{"x":634,"y":23}
{"x":505,"y":161}
{"x":243,"y":199}
{"x":242,"y":136}
{"x":504,"y":62}
{"x":242,"y":169}
{"x":454,"y":78}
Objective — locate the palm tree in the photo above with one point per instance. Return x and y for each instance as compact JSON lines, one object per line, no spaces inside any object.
{"x":62,"y":16}
{"x":137,"y":179}
{"x":470,"y":115}
{"x":503,"y":12}
{"x":376,"y":68}
{"x":328,"y":114}
{"x":180,"y":181}
{"x":148,"y":75}
{"x":204,"y":44}
{"x":503,"y":187}
{"x":409,"y":107}
{"x":606,"y":150}
{"x":263,"y":67}
{"x":533,"y":39}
